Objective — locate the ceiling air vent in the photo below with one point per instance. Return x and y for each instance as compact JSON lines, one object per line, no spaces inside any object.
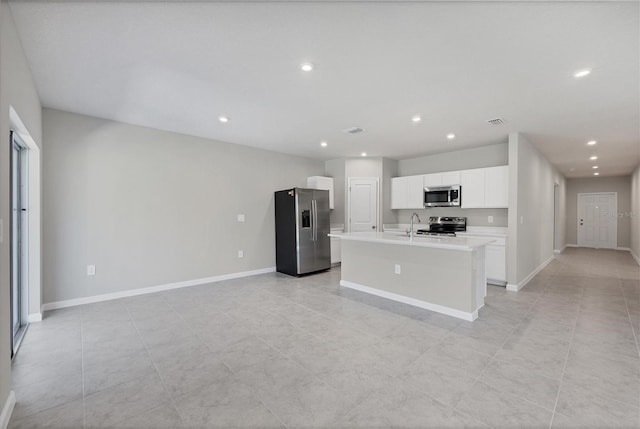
{"x":496,"y":121}
{"x":353,"y":130}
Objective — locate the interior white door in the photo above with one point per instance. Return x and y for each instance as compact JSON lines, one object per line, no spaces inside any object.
{"x":363,"y":204}
{"x":598,"y":220}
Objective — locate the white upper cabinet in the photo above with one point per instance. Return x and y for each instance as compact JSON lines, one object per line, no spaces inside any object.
{"x":442,"y":179}
{"x":496,"y":187}
{"x":480,"y":188}
{"x":415,"y":192}
{"x":450,"y":178}
{"x":407,"y":192}
{"x":434,"y":179}
{"x":472,"y":188}
{"x":399,"y":192}
{"x":485,"y":187}
{"x":321,"y":182}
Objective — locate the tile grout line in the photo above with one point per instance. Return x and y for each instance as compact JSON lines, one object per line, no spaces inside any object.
{"x":633,"y":328}
{"x":566,"y":360}
{"x":222,"y":361}
{"x":84,"y":418}
{"x":493,"y":356}
{"x":154,"y":367}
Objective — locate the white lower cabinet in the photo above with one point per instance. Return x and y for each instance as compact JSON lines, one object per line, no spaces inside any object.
{"x":495,"y":257}
{"x":336,"y":253}
{"x":496,"y":265}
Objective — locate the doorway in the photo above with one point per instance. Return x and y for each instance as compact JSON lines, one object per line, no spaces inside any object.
{"x":598,"y":220}
{"x":362,"y":204}
{"x":19,"y":240}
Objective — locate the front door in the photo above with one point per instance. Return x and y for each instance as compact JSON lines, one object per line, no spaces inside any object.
{"x":598,"y":220}
{"x":363,"y":204}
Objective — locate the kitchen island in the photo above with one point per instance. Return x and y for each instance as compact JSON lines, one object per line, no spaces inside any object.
{"x":442,"y":274}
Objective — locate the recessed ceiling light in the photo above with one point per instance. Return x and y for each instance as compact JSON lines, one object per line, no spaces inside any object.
{"x":306,"y":67}
{"x":451,"y":136}
{"x":323,"y":144}
{"x":596,"y":174}
{"x":592,"y":142}
{"x":582,"y":73}
{"x":416,"y":118}
{"x":363,"y":154}
{"x":595,"y":167}
{"x":223,"y":119}
{"x":593,"y":158}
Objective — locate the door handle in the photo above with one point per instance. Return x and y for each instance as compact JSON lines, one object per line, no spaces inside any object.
{"x":373,"y":227}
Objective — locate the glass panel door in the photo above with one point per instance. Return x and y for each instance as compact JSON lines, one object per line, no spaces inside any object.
{"x":18,"y":218}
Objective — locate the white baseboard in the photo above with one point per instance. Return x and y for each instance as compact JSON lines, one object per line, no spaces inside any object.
{"x":559,"y":251}
{"x":516,"y":287}
{"x":152,"y":289}
{"x":35,"y":317}
{"x":7,"y":410}
{"x":411,"y":301}
{"x":571,"y":245}
{"x":635,"y":256}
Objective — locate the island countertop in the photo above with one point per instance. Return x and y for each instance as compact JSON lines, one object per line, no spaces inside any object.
{"x":451,"y":243}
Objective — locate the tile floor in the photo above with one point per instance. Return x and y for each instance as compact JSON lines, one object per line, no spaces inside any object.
{"x":276,"y":351}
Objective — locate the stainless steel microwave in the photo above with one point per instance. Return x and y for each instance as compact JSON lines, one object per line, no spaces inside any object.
{"x":442,"y":196}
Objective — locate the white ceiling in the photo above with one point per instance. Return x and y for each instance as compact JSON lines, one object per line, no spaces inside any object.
{"x":179,"y":65}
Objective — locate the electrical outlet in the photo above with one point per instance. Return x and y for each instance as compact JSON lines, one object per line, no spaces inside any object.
{"x":397,"y":270}
{"x":490,"y":219}
{"x":91,"y":270}
{"x":240,"y":218}
{"x":240,"y":253}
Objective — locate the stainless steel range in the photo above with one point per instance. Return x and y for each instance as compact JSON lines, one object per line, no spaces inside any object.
{"x":444,"y":226}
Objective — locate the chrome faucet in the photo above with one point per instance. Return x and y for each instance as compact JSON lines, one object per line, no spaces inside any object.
{"x":411,"y":228}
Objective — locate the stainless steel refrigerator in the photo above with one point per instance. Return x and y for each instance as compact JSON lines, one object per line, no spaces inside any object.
{"x":302,"y":228}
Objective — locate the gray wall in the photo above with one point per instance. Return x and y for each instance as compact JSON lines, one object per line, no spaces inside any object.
{"x":635,"y":212}
{"x":485,"y":156}
{"x":18,"y":91}
{"x":619,"y":184}
{"x":150,"y":207}
{"x":532,"y":180}
{"x":336,"y":168}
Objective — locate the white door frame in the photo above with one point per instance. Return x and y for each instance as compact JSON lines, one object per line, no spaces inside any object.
{"x":614,"y":215}
{"x":34,"y":241}
{"x":377,"y":180}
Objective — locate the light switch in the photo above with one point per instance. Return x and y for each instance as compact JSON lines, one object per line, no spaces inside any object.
{"x":240,"y":218}
{"x":521,"y":220}
{"x":490,"y":219}
{"x":397,"y":270}
{"x":240,"y":253}
{"x":91,"y":270}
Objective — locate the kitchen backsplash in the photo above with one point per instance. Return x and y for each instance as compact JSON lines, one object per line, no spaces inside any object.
{"x":475,"y":217}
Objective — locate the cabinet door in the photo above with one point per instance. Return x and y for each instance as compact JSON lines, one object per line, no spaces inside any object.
{"x":399,"y":192}
{"x":497,"y":187}
{"x":472,"y":188}
{"x":434,"y":179}
{"x":451,"y":178}
{"x":496,"y":263}
{"x":336,"y":255}
{"x":415,"y":192}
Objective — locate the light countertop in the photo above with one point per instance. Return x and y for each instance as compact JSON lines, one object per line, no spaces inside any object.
{"x":451,"y":243}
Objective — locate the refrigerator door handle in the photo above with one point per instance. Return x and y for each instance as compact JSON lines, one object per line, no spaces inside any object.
{"x":315,"y":219}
